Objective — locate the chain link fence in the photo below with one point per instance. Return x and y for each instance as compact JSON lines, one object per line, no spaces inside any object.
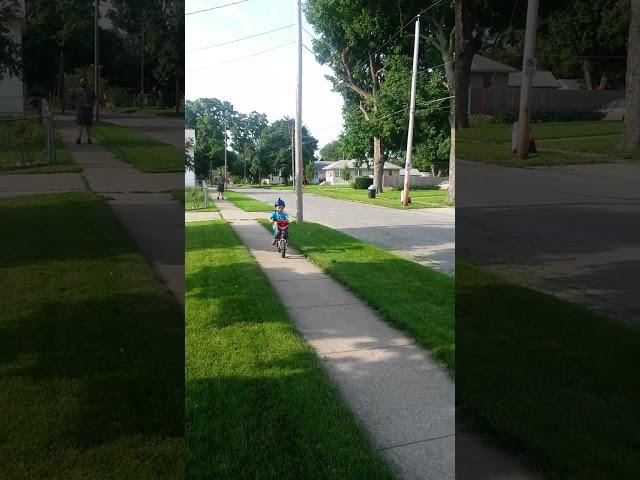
{"x":28,"y":139}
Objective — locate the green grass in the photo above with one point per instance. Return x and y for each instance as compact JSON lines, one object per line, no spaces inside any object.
{"x":265,"y":187}
{"x":391,"y":198}
{"x":150,"y":111}
{"x":91,"y":348}
{"x":64,"y":163}
{"x":258,"y":403}
{"x":500,"y":132}
{"x":193,"y":200}
{"x":415,"y":298}
{"x":246,"y":203}
{"x":547,"y":379}
{"x":144,"y":153}
{"x":577,"y":142}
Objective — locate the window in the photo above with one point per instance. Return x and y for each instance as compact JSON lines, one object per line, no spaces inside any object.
{"x":338,"y":173}
{"x":487,"y":79}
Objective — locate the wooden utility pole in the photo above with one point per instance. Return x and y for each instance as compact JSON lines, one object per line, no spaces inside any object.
{"x":412,"y":107}
{"x":142,"y":62}
{"x":293,"y":159}
{"x":225,"y":154}
{"x":528,"y":72}
{"x":96,"y":58}
{"x":298,"y":162}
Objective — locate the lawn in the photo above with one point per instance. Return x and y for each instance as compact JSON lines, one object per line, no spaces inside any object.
{"x":258,"y":402}
{"x":415,"y":298}
{"x":144,"y":153}
{"x":559,"y":143}
{"x":246,"y":203}
{"x":265,"y":187}
{"x":91,"y":348}
{"x":193,"y":200}
{"x":547,"y":379}
{"x":64,"y":163}
{"x":390,"y":198}
{"x":150,"y":111}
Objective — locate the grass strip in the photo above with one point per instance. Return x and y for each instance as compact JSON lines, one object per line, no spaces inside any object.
{"x":391,"y":198}
{"x":547,"y":379}
{"x":91,"y":347}
{"x":246,"y":203}
{"x":501,"y":132}
{"x":144,"y":153}
{"x":415,"y":298}
{"x":258,"y":403}
{"x":64,"y":163}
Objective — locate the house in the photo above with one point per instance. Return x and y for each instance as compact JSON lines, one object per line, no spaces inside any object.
{"x":487,"y":73}
{"x":542,"y":79}
{"x":414,"y":172}
{"x":319,"y":175}
{"x":335,"y":171}
{"x":570,"y":84}
{"x":12,"y":88}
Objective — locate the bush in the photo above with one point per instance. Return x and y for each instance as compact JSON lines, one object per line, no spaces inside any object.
{"x":362,"y":183}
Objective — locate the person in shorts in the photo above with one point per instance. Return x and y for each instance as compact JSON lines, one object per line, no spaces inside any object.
{"x":84,"y":100}
{"x":220,"y":188}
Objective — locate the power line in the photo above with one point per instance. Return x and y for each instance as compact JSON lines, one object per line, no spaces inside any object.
{"x":238,"y":39}
{"x":215,"y":8}
{"x":241,"y":58}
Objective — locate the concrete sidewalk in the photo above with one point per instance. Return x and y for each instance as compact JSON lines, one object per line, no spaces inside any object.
{"x":400,"y":395}
{"x":140,"y":201}
{"x":404,"y":400}
{"x":33,"y":184}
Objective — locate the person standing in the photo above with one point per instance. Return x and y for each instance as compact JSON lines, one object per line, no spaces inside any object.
{"x":84,"y":100}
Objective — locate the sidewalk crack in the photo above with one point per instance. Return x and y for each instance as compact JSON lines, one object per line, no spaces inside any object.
{"x":418,"y":441}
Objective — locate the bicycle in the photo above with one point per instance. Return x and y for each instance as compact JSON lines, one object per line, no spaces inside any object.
{"x":281,"y":242}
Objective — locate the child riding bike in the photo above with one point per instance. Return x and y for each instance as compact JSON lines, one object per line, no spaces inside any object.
{"x":279,"y":217}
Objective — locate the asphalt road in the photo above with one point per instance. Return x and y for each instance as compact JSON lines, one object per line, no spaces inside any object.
{"x":164,"y":129}
{"x":426,"y":236}
{"x":571,"y":231}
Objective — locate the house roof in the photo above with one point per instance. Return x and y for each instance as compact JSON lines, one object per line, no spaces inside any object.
{"x":340,"y":164}
{"x":320,"y":164}
{"x":542,"y":79}
{"x":484,"y":64}
{"x":413,"y":172}
{"x":570,"y":84}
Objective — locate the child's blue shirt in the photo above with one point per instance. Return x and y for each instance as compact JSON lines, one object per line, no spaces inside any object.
{"x":275,"y":216}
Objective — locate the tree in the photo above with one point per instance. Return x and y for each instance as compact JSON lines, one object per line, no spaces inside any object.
{"x":275,"y":147}
{"x":631,"y":133}
{"x":163,"y":23}
{"x":246,"y":131}
{"x":332,"y":151}
{"x":9,"y":49}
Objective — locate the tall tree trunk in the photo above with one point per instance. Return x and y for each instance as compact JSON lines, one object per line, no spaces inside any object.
{"x":631,"y":133}
{"x":378,"y":163}
{"x":604,"y":81}
{"x":464,"y":57}
{"x":586,"y":68}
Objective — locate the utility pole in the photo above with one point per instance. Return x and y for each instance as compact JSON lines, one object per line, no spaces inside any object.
{"x":142,"y":62}
{"x":412,"y":107}
{"x":528,"y":72}
{"x":293,"y":160}
{"x":96,"y":58}
{"x":225,"y":154}
{"x":298,"y":162}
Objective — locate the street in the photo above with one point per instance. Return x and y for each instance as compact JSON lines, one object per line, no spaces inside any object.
{"x":570,"y":231}
{"x":426,"y":236}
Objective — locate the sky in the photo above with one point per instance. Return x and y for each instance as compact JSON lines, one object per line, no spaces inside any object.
{"x":265,"y":83}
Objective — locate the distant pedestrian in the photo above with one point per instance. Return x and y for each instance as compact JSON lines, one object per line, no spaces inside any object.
{"x":220,"y":188}
{"x":84,"y":100}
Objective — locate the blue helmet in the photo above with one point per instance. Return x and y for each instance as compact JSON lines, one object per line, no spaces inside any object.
{"x":278,"y":202}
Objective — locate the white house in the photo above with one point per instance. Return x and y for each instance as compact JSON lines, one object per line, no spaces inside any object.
{"x":12,"y":88}
{"x":541,"y":79}
{"x":487,"y":73}
{"x":319,"y":175}
{"x":190,"y":175}
{"x":335,"y":171}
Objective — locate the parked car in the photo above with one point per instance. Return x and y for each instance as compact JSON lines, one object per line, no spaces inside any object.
{"x":615,"y":110}
{"x":444,"y":185}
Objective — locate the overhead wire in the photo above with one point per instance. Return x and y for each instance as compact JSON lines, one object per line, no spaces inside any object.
{"x":241,"y":58}
{"x":239,"y":39}
{"x":215,"y":8}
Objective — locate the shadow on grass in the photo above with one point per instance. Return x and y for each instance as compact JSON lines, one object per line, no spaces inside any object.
{"x":547,"y":379}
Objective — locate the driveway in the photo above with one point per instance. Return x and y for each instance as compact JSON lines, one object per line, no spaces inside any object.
{"x":426,"y":236}
{"x":570,"y":231}
{"x":164,"y":129}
